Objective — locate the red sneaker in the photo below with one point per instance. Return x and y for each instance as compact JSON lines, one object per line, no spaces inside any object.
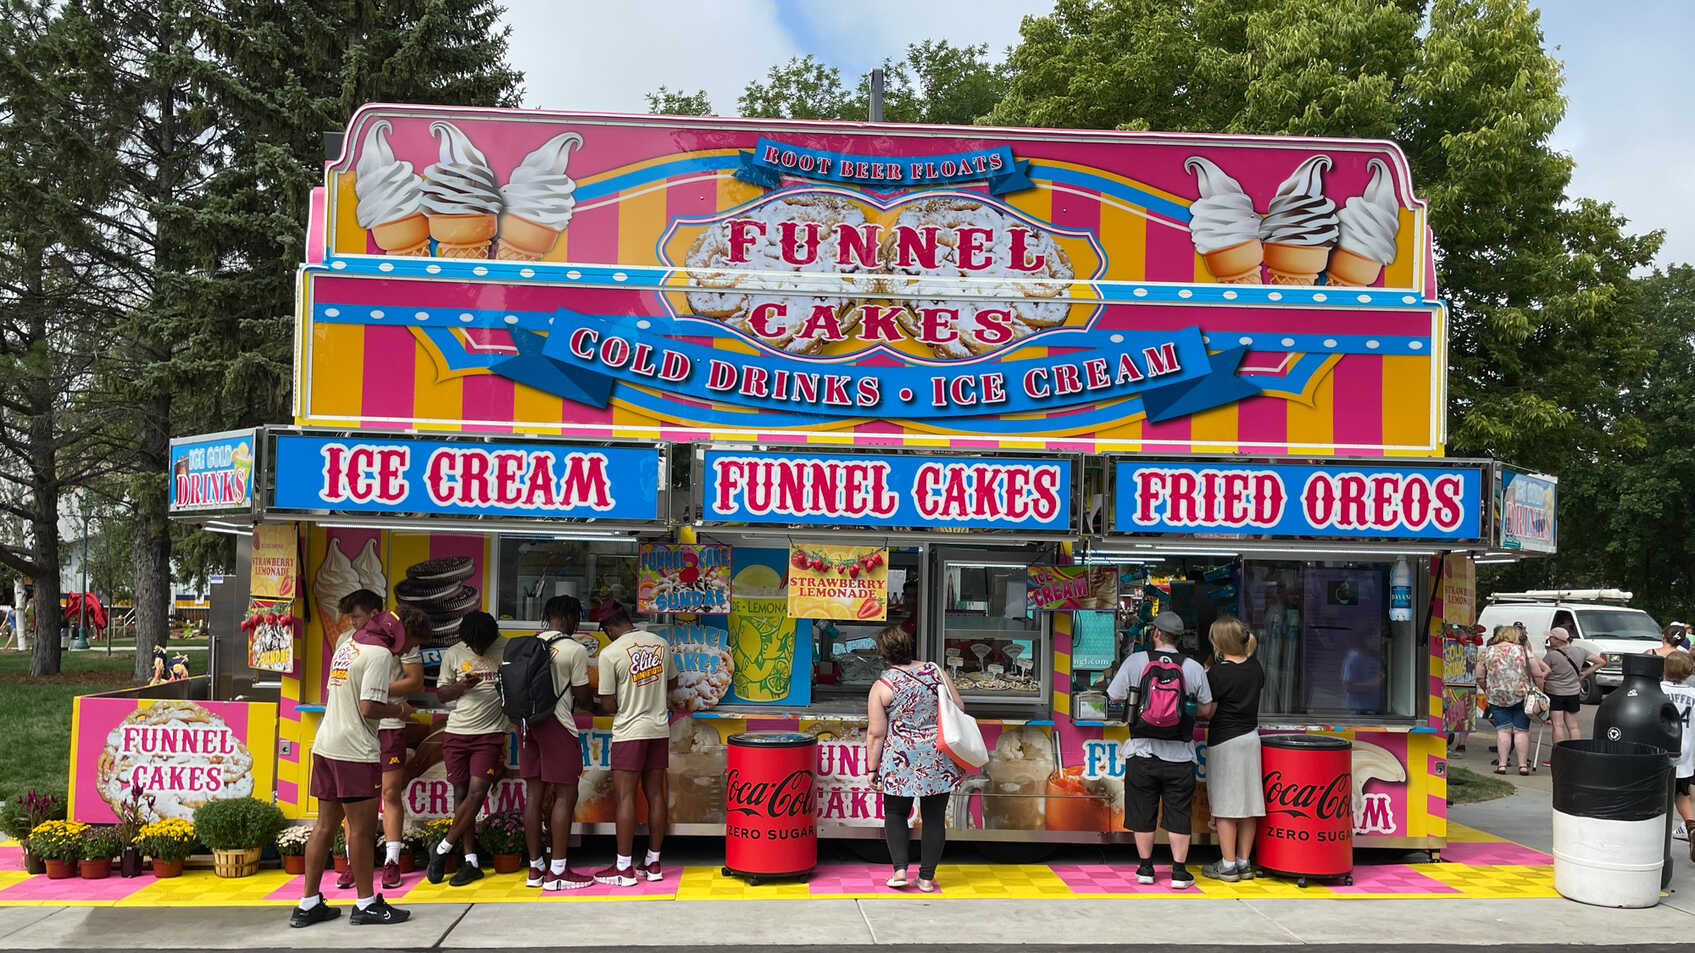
{"x":344,"y":880}
{"x":391,"y":876}
{"x":615,"y":876}
{"x":569,"y":880}
{"x":651,"y":871}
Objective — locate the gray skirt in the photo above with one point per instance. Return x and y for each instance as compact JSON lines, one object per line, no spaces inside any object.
{"x":1235,"y":787}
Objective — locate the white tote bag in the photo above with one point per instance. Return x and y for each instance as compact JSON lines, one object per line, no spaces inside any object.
{"x":957,"y":733}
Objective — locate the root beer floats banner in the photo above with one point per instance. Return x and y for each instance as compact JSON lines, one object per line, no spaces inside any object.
{"x":985,"y":288}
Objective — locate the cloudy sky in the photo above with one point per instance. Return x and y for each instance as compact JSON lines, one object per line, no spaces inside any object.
{"x":1623,"y":119}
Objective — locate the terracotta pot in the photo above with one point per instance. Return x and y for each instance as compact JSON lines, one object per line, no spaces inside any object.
{"x":61,"y":869}
{"x":508,"y":863}
{"x":130,"y":864}
{"x":340,"y":864}
{"x":34,"y":864}
{"x":406,"y":861}
{"x":167,"y":868}
{"x":294,"y":864}
{"x":95,"y":869}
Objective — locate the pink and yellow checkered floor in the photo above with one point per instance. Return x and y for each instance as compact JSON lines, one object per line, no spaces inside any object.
{"x":1475,"y":865}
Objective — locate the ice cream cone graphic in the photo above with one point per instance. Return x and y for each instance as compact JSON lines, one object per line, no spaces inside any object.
{"x":538,"y":201}
{"x":1369,"y":225}
{"x":1300,"y":226}
{"x":390,"y":197}
{"x":1223,"y":224}
{"x":460,"y":198}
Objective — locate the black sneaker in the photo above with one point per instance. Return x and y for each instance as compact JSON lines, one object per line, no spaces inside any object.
{"x":1145,"y":873}
{"x":1181,"y":879}
{"x":321,"y":913}
{"x":468,"y":874}
{"x":378,"y":913}
{"x":437,"y":866}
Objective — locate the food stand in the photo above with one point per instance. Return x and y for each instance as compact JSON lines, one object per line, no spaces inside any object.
{"x":1018,"y":389}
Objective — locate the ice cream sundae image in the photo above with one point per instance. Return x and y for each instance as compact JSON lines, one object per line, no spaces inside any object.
{"x":390,"y":197}
{"x":1018,"y":769}
{"x":460,"y":196}
{"x":1224,"y":225}
{"x":1370,"y":223}
{"x":696,"y":772}
{"x":539,"y":199}
{"x":1300,"y":226}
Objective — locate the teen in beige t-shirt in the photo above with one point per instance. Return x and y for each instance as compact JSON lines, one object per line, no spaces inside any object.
{"x":638,"y":664}
{"x":358,"y":672}
{"x":477,"y":712}
{"x":570,"y":670}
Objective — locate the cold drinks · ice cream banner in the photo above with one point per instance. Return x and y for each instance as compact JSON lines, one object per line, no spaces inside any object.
{"x":1275,"y":499}
{"x":602,"y":276}
{"x":212,"y":471}
{"x":444,"y":477}
{"x":1525,"y":515}
{"x":1066,"y":588}
{"x":824,"y":489}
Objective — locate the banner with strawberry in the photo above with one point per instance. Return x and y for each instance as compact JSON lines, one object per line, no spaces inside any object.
{"x":271,"y":627}
{"x":838,"y":582}
{"x":683,"y":578}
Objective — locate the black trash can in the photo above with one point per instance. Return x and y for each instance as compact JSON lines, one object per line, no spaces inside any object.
{"x":1609,"y":821}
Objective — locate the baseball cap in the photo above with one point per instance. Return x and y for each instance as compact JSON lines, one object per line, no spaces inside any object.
{"x":1559,"y":633}
{"x":608,"y":609}
{"x":1169,"y":621}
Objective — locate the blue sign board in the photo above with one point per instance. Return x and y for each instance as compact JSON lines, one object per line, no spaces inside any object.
{"x":212,"y":471}
{"x":841,"y":489}
{"x":1344,"y":499}
{"x":1525,"y":517}
{"x":460,"y":478}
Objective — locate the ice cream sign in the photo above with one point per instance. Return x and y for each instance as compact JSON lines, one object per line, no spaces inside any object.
{"x":444,"y":477}
{"x":212,"y":472}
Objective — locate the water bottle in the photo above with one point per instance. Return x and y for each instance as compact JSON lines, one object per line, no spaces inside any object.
{"x":1400,"y":592}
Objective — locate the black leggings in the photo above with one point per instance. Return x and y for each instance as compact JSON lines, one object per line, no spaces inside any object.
{"x":932,"y":808}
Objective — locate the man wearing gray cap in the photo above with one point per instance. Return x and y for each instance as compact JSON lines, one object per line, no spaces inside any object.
{"x":1167,"y":692}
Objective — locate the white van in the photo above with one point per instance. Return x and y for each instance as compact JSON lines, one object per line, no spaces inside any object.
{"x":1600,"y":620}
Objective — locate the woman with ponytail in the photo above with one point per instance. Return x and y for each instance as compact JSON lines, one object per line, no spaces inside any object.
{"x":1234,"y":785}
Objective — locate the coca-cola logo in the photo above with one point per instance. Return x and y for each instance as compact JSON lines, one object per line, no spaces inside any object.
{"x":791,"y":797}
{"x":1328,"y":801}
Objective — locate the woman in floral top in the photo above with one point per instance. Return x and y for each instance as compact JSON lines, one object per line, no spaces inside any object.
{"x":1505,"y":672}
{"x":905,"y":761}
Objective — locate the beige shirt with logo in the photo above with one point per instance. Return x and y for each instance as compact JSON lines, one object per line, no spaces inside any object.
{"x":413,"y":656}
{"x":477,"y":712}
{"x":638,"y":664}
{"x":358,"y":672}
{"x":570,"y":670}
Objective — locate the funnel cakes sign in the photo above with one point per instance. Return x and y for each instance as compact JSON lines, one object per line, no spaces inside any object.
{"x":685,"y":279}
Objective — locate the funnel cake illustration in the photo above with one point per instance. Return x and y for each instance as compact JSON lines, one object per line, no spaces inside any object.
{"x":1300,"y":226}
{"x":539,"y":199}
{"x":460,"y":196}
{"x":390,"y":197}
{"x":1223,"y":224}
{"x":1370,"y":222}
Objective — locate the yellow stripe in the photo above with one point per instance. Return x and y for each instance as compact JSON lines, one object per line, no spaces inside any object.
{"x":1314,"y":424}
{"x":333,"y":347}
{"x":1216,"y":430}
{"x":1399,"y":273}
{"x":1406,"y":402}
{"x":435,"y":395}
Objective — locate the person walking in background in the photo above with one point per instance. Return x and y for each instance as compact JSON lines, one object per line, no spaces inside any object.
{"x":1567,"y":666}
{"x":1235,"y":787}
{"x":636,"y":676}
{"x":1679,"y":686}
{"x":1505,"y":673}
{"x":1674,"y":637}
{"x":473,"y":741}
{"x":1167,"y":692}
{"x":550,"y":758}
{"x":906,"y":765}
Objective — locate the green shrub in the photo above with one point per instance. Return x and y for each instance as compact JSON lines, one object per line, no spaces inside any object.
{"x":101,"y":842}
{"x":502,"y":833}
{"x":238,"y":823}
{"x":57,"y":840}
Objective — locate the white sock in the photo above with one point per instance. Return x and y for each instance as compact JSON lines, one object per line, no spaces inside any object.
{"x":1242,"y":863}
{"x":365,"y":902}
{"x":444,"y":847}
{"x":471,"y":859}
{"x":307,"y":903}
{"x":623,"y":861}
{"x":393,"y":856}
{"x":653,"y":857}
{"x":558,"y":867}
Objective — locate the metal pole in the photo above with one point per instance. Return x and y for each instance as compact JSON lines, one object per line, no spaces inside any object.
{"x":877,"y":95}
{"x":82,"y":604}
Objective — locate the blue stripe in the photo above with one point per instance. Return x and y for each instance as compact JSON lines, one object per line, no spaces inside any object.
{"x":664,"y":170}
{"x":1135,"y":196}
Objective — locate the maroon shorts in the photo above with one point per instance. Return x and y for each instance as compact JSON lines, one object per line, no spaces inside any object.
{"x":345,"y":781}
{"x":648,"y":754}
{"x":550,"y":753}
{"x":473,"y":756}
{"x":393,"y":742}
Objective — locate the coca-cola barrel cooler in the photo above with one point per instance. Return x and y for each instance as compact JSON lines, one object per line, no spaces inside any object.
{"x":770,"y":805}
{"x":1308,"y":828}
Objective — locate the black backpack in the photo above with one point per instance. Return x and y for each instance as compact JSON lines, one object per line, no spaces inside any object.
{"x":527,"y":694}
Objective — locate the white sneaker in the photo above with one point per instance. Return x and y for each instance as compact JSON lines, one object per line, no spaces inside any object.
{"x":1681,"y":832}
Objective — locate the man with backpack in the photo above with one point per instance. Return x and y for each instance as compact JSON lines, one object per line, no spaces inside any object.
{"x":1167,"y":693}
{"x":544,"y":681}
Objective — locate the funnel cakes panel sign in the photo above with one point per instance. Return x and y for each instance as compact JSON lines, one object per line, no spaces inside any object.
{"x":698,"y":279}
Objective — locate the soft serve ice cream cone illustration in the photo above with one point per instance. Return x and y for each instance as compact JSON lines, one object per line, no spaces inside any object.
{"x":391,"y":198}
{"x":539,"y":199}
{"x":1224,"y":225}
{"x":1370,"y":223}
{"x":460,"y":197}
{"x":1300,"y":226}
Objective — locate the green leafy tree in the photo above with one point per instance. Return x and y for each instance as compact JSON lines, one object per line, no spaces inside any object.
{"x":936,"y":82}
{"x":802,"y":88}
{"x":677,"y":102}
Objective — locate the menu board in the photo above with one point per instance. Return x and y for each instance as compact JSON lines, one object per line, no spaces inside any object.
{"x":677,"y":577}
{"x":839,"y":582}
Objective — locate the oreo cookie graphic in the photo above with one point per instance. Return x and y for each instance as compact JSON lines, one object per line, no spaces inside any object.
{"x":425,"y":594}
{"x":446,"y":569}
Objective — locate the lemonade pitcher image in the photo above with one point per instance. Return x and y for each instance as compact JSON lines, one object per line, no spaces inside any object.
{"x":762,"y":636}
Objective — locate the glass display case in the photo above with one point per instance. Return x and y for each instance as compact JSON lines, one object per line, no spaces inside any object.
{"x":848,"y":662}
{"x":531,"y":570}
{"x":992,"y":644}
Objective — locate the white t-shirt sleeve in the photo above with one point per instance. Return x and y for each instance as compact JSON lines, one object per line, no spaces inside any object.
{"x":1127,"y":675}
{"x":373,"y":681}
{"x":1197,"y":676}
{"x":579,"y":668}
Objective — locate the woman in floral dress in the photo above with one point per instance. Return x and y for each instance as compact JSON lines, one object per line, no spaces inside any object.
{"x":906,"y":763}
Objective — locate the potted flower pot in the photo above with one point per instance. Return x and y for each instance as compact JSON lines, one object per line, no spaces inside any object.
{"x":236,"y":863}
{"x":34,"y":864}
{"x":95,"y":869}
{"x":294,"y":864}
{"x":167,"y":868}
{"x":508,"y":863}
{"x":405,"y":862}
{"x":129,"y":865}
{"x":61,"y":869}
{"x":340,"y":864}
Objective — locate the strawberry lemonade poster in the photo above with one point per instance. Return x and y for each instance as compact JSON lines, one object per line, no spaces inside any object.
{"x":839,"y":582}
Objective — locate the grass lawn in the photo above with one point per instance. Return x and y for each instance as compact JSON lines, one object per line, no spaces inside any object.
{"x":1469,"y":787}
{"x":37,"y":715}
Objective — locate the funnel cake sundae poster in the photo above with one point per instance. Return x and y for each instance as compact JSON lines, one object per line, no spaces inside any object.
{"x":697,"y":279}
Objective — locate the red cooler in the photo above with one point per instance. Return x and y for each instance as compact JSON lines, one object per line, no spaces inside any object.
{"x":1308,"y":829}
{"x":770,"y":805}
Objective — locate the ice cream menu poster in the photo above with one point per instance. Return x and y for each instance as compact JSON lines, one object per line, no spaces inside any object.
{"x":611,"y":278}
